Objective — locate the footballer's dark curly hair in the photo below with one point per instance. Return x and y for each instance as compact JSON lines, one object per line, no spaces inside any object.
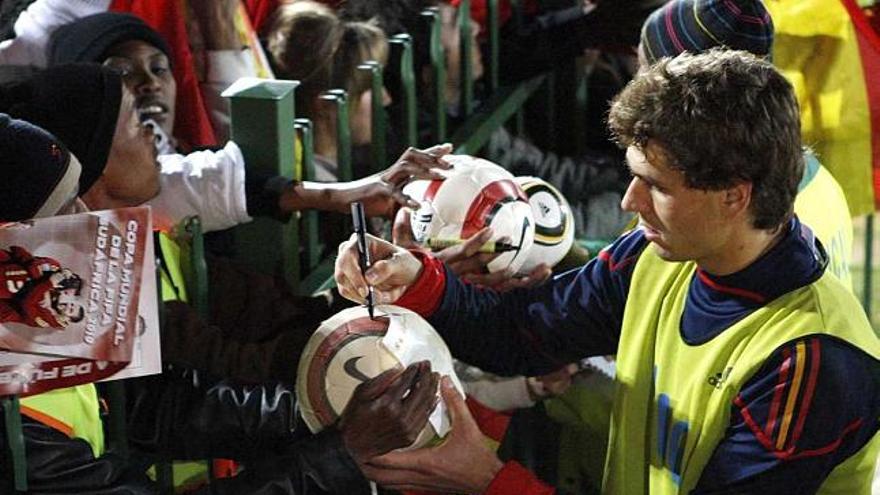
{"x":721,"y":117}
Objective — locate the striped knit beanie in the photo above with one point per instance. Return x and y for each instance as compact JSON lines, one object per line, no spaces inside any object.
{"x":697,"y":25}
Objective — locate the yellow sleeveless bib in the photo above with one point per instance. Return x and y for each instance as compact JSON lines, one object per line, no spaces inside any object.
{"x":673,"y":400}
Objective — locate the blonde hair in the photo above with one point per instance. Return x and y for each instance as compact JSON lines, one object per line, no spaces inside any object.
{"x":309,"y":43}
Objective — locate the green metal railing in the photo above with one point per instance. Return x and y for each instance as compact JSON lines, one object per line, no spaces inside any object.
{"x":408,"y":84}
{"x":190,"y":239}
{"x":377,"y":115}
{"x":505,"y":103}
{"x":343,"y":132}
{"x":262,"y":113}
{"x":467,"y":66}
{"x":118,"y":418}
{"x":494,"y":44}
{"x":438,"y":71}
{"x":193,"y":264}
{"x":15,"y":443}
{"x":309,"y":218}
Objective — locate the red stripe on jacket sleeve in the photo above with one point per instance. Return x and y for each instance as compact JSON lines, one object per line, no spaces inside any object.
{"x":778,"y":392}
{"x":808,"y":393}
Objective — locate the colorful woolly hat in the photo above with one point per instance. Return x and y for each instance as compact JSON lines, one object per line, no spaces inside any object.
{"x":697,"y":25}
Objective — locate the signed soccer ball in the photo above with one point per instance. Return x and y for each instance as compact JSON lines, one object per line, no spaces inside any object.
{"x":350,"y":348}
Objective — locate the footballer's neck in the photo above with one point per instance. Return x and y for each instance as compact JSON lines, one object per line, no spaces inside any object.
{"x":743,"y":248}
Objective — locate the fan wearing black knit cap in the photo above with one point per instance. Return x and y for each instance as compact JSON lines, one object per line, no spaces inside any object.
{"x":124,"y":42}
{"x":186,"y":414}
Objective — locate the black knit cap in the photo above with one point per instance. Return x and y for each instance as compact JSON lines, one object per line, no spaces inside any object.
{"x":88,"y":39}
{"x":78,"y":103}
{"x":33,"y":166}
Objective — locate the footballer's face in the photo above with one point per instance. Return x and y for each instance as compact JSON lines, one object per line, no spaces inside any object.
{"x":682,"y":222}
{"x":146,"y":72}
{"x":67,"y":304}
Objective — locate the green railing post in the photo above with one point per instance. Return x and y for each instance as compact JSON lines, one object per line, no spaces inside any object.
{"x":343,"y":132}
{"x":377,"y":114}
{"x":262,"y":125}
{"x":408,"y":82}
{"x":868,"y":287}
{"x":438,"y":64}
{"x":15,"y":442}
{"x":118,"y":418}
{"x":494,"y":44}
{"x":195,"y":269}
{"x":467,"y":70}
{"x":310,"y":218}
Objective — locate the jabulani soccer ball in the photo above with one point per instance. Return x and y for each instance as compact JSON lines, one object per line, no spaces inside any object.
{"x":554,"y":225}
{"x":349,"y":348}
{"x":475,"y":194}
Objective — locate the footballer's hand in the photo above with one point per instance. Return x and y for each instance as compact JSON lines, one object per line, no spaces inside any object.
{"x":389,"y":411}
{"x":394,"y":269}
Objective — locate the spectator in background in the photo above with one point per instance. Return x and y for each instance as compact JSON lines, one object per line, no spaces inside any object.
{"x":309,"y":43}
{"x":39,"y":177}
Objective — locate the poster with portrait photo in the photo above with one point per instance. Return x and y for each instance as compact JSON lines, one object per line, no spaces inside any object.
{"x":77,"y":300}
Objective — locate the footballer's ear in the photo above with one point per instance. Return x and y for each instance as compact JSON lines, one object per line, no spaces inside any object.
{"x":737,"y":198}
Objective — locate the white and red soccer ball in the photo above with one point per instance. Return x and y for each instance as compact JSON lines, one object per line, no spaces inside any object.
{"x":475,"y":194}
